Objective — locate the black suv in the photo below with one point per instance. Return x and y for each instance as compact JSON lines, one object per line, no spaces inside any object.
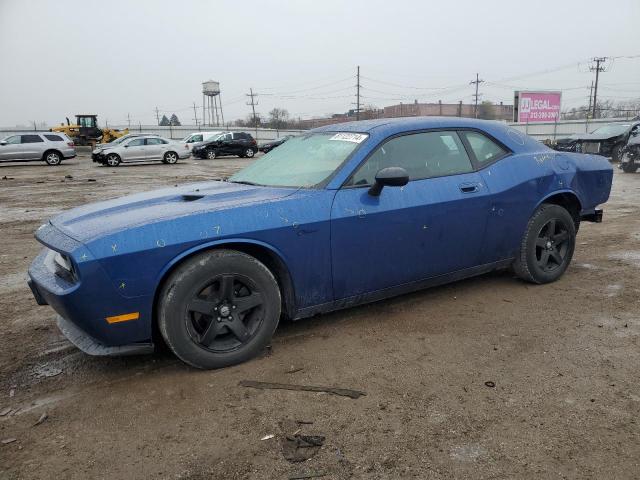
{"x":241,"y":144}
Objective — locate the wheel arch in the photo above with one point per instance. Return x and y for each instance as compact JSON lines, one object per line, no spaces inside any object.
{"x":54,"y":150}
{"x":263,"y":252}
{"x":567,"y":199}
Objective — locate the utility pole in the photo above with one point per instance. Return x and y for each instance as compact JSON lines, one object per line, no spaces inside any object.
{"x":158,"y":115}
{"x":590,"y":97}
{"x":477,"y":83}
{"x":358,"y":93}
{"x":129,"y":120}
{"x":597,"y":69}
{"x":253,"y":104}
{"x":195,"y":114}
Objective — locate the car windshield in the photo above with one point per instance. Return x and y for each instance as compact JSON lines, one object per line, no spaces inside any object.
{"x":303,"y":161}
{"x":611,"y":130}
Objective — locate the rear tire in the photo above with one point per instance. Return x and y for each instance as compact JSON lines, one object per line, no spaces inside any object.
{"x":219,"y":308}
{"x":249,"y":153}
{"x":547,"y":245}
{"x":211,"y":154}
{"x":52,"y":158}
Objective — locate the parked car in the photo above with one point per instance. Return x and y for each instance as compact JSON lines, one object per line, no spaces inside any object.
{"x":608,"y":140}
{"x":345,"y":214}
{"x":196,"y":139}
{"x":268,"y":146}
{"x":630,"y":160}
{"x":101,"y":146}
{"x":241,"y":144}
{"x":51,"y":148}
{"x":142,"y":149}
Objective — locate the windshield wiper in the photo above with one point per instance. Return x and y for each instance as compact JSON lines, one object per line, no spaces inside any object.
{"x":244,"y":182}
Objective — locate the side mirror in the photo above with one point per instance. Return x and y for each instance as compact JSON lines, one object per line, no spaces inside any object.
{"x":126,"y":146}
{"x":389,"y":177}
{"x":3,"y":142}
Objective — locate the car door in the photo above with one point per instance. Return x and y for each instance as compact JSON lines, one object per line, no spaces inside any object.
{"x":433,"y":225}
{"x":154,"y":149}
{"x":225,"y":146}
{"x":240,"y":143}
{"x":133,"y":150}
{"x":33,"y":147}
{"x":11,"y":149}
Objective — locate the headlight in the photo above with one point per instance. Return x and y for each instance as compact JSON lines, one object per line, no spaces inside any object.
{"x":60,"y":264}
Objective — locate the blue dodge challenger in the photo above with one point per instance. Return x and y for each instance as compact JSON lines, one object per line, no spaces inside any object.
{"x":342,"y":215}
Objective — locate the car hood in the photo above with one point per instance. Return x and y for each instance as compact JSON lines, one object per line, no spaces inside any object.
{"x":103,"y":218}
{"x":588,"y":137}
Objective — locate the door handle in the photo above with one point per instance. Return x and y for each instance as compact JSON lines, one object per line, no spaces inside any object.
{"x":469,"y":187}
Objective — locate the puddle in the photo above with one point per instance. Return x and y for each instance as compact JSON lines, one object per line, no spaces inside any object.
{"x":467,"y":453}
{"x":631,"y":258}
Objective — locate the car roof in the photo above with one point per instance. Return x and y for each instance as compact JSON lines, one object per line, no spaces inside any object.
{"x":405,"y":123}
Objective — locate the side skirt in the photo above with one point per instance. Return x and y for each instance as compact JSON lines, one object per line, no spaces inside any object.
{"x":401,"y":289}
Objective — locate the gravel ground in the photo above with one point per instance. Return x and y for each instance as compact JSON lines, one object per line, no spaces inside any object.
{"x":485,"y":378}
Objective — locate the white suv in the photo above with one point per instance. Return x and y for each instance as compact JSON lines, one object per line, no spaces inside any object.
{"x":26,"y":147}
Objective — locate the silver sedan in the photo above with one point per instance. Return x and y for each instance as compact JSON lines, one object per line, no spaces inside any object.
{"x":142,"y":149}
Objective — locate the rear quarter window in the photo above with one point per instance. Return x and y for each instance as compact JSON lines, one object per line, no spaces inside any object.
{"x":485,"y":149}
{"x":54,"y":138}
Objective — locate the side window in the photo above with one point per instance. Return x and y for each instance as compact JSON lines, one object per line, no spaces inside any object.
{"x":196,"y":138}
{"x":53,"y":138}
{"x":422,"y":155}
{"x":136,"y":142}
{"x":13,"y":140}
{"x":485,"y":149}
{"x":31,"y":139}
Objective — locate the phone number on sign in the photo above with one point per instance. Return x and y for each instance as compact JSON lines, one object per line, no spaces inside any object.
{"x":542,"y":115}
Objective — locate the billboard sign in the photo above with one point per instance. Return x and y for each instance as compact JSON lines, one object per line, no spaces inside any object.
{"x":538,"y":106}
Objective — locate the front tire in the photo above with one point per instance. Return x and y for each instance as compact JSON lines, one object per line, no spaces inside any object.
{"x":113,"y":160}
{"x":547,"y":245}
{"x":219,"y":308}
{"x":211,"y":154}
{"x":616,"y":152}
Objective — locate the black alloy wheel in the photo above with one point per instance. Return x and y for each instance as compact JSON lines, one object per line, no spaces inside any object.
{"x":225,"y":314}
{"x":552,"y":244}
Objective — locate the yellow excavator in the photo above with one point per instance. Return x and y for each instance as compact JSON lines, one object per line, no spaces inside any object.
{"x":86,"y":131}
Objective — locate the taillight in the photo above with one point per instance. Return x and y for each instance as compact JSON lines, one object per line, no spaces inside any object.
{"x":253,"y":142}
{"x":71,"y":144}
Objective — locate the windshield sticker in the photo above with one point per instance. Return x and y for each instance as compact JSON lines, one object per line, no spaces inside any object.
{"x":349,"y":137}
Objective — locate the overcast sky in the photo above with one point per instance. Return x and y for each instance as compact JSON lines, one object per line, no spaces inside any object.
{"x":124,"y":57}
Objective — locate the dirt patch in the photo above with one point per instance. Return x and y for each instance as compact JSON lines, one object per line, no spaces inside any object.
{"x":484,"y":378}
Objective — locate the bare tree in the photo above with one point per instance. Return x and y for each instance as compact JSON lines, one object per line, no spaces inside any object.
{"x":278,"y":118}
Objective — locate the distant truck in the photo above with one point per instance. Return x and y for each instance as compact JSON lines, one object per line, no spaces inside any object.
{"x":86,"y":131}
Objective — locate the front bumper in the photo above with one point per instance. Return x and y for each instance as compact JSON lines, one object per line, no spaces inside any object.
{"x":89,"y":302}
{"x":98,"y":157}
{"x":91,"y":346}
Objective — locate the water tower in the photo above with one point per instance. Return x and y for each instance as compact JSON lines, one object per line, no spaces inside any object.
{"x":211,"y":103}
